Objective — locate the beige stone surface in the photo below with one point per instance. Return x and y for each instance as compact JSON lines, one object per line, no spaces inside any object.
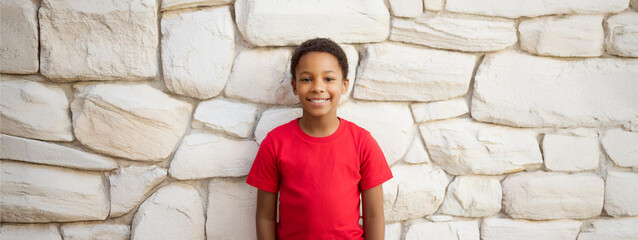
{"x":416,"y":152}
{"x":231,"y":209}
{"x":425,"y":112}
{"x":95,"y":231}
{"x":534,"y":8}
{"x":406,"y":8}
{"x":180,"y":4}
{"x":393,"y":231}
{"x":19,"y":36}
{"x":472,"y":196}
{"x":622,"y":34}
{"x":455,"y":230}
{"x":566,"y":36}
{"x":621,"y":192}
{"x":272,"y":118}
{"x":98,"y":40}
{"x":33,"y":193}
{"x":23,"y":103}
{"x":621,"y":146}
{"x":434,"y":5}
{"x":29,"y":231}
{"x":570,"y":153}
{"x":136,"y":122}
{"x":227,"y":117}
{"x":513,"y":229}
{"x":610,"y":228}
{"x":131,"y":185}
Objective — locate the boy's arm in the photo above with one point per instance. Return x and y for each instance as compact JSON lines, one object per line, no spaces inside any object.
{"x":266,"y":215}
{"x":373,"y":221}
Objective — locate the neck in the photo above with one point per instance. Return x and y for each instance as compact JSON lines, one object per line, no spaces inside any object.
{"x":319,"y":126}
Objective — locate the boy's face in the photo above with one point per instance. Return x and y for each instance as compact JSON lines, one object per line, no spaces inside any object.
{"x":319,"y":84}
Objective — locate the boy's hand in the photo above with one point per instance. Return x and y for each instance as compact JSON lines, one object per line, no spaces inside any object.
{"x":266,"y":215}
{"x":373,"y":221}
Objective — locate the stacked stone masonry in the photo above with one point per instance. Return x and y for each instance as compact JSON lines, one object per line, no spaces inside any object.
{"x":140,"y":119}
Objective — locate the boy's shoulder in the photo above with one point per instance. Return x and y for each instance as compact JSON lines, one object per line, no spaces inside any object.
{"x":287,"y":130}
{"x":284,"y":130}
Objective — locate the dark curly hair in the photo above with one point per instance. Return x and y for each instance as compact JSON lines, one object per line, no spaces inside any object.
{"x":319,"y":45}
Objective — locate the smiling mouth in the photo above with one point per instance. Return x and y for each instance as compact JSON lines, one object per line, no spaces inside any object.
{"x":318,"y":100}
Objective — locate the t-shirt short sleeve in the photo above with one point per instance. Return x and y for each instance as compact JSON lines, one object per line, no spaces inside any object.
{"x":264,"y":174}
{"x":374,"y":167}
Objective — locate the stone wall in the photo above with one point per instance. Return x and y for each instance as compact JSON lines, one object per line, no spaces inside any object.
{"x":139,"y":119}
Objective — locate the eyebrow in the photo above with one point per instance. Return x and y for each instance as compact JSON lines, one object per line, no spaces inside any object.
{"x":308,"y":72}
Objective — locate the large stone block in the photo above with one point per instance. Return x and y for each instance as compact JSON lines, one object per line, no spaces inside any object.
{"x":548,"y":92}
{"x":406,"y":8}
{"x":568,"y":36}
{"x":621,"y":192}
{"x":29,"y":231}
{"x":416,"y":152}
{"x":622,"y":147}
{"x":399,"y":72}
{"x":19,"y":36}
{"x":226,"y":117}
{"x":462,"y":147}
{"x":179,"y":4}
{"x":198,"y":49}
{"x":137,"y":122}
{"x":622,"y":34}
{"x":456,"y":32}
{"x":23,"y":103}
{"x":202,"y":155}
{"x":542,"y":195}
{"x":434,"y":5}
{"x":455,"y":230}
{"x":393,"y":231}
{"x":512,"y":229}
{"x":131,"y":185}
{"x":413,"y":192}
{"x":173,"y":212}
{"x":570,"y":153}
{"x":425,"y":112}
{"x":272,"y":118}
{"x":610,"y":228}
{"x":473,"y":196}
{"x":37,"y":193}
{"x":281,"y":23}
{"x":98,"y":40}
{"x":231,"y":209}
{"x":533,"y":8}
{"x":97,"y":231}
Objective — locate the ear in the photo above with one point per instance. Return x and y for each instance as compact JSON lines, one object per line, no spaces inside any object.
{"x":293,"y":83}
{"x":344,"y":87}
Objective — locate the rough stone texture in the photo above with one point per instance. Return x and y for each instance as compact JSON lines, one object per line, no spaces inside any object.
{"x":231,"y":209}
{"x":621,"y":192}
{"x":97,"y":40}
{"x":179,"y":4}
{"x":34,"y":193}
{"x":413,"y":192}
{"x":570,"y":153}
{"x":29,"y":231}
{"x":131,"y":185}
{"x":425,"y":112}
{"x":406,"y":8}
{"x":394,"y":141}
{"x":610,"y":228}
{"x":622,"y":147}
{"x":173,"y":212}
{"x":202,"y":155}
{"x":434,"y":5}
{"x":511,"y":229}
{"x":281,"y":23}
{"x":23,"y":103}
{"x":533,"y":8}
{"x":273,"y":118}
{"x":136,"y":122}
{"x":198,"y":49}
{"x":542,"y":195}
{"x":578,"y":95}
{"x":567,"y":36}
{"x":459,"y":230}
{"x":19,"y":36}
{"x":95,"y":231}
{"x":622,"y":34}
{"x":27,"y":150}
{"x":416,"y":152}
{"x":473,"y":196}
{"x":456,"y":31}
{"x":393,"y":231}
{"x":462,"y":146}
{"x":222,"y":116}
{"x":428,"y":75}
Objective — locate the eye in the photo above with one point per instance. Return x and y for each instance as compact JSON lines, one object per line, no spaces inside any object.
{"x":329,"y":79}
{"x":305,"y":79}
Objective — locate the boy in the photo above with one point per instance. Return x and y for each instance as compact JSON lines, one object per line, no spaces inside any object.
{"x":319,"y":163}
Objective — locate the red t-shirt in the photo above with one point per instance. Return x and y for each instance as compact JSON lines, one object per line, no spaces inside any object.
{"x":319,"y":179}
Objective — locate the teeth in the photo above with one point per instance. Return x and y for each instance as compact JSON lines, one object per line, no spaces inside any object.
{"x":319,"y":101}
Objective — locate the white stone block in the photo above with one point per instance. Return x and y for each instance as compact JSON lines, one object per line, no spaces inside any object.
{"x":622,"y":147}
{"x":23,"y":103}
{"x":97,"y":231}
{"x":179,"y":4}
{"x":434,"y":5}
{"x":570,"y":153}
{"x":394,"y":141}
{"x":413,"y":192}
{"x":463,"y":146}
{"x":542,"y":195}
{"x":393,"y":231}
{"x":131,"y":185}
{"x":29,"y":231}
{"x":27,"y":150}
{"x":458,"y":230}
{"x":222,"y":116}
{"x":198,"y":49}
{"x":622,"y":34}
{"x":406,"y":8}
{"x":621,"y":192}
{"x":173,"y":212}
{"x":231,"y":209}
{"x":425,"y":112}
{"x":567,"y":36}
{"x":98,"y":40}
{"x":548,"y":92}
{"x":19,"y":36}
{"x":472,"y":196}
{"x":456,"y":32}
{"x":272,"y":118}
{"x":533,"y":8}
{"x":137,"y":122}
{"x":513,"y":229}
{"x":416,"y":152}
{"x":281,"y":23}
{"x":610,"y":228}
{"x":33,"y":193}
{"x":399,"y":72}
{"x":202,"y":155}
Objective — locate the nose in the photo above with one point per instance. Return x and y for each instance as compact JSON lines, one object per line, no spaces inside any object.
{"x":318,"y":85}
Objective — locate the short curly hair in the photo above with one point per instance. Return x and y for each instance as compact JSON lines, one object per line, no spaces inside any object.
{"x":319,"y":45}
